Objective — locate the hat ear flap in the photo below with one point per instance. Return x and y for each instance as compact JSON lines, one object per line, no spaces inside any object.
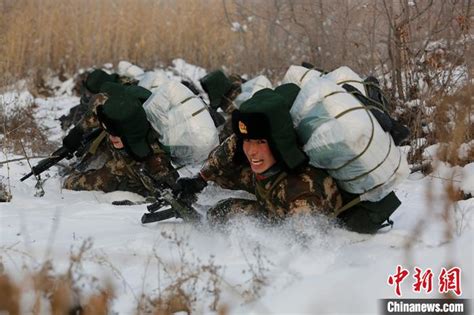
{"x":239,"y":155}
{"x":130,"y":152}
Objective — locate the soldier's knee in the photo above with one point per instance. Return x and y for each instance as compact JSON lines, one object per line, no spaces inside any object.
{"x":220,"y":213}
{"x":224,"y":210}
{"x":69,"y":182}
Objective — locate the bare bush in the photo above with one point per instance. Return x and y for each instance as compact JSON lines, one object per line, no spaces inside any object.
{"x":19,"y":130}
{"x":57,"y":293}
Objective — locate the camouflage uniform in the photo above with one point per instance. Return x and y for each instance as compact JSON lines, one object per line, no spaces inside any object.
{"x":77,"y":112}
{"x":108,"y":169}
{"x":306,"y":191}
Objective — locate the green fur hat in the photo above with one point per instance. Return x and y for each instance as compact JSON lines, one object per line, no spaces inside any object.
{"x":266,"y":116}
{"x":216,"y":84}
{"x":124,"y":116}
{"x":134,"y":91}
{"x":98,"y":77}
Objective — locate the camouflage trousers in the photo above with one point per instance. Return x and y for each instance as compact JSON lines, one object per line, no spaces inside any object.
{"x":227,"y":209}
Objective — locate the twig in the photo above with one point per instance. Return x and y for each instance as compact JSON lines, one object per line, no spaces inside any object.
{"x":22,"y":158}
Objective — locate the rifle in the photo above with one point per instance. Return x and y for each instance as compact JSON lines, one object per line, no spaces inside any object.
{"x":63,"y":153}
{"x":166,"y":192}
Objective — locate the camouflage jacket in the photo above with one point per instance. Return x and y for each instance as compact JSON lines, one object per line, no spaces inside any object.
{"x":307,"y":191}
{"x":109,"y":169}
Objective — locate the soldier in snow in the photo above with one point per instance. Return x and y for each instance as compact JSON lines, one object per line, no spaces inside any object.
{"x":89,"y":87}
{"x":222,"y":91}
{"x":128,"y":146}
{"x":263,"y":158}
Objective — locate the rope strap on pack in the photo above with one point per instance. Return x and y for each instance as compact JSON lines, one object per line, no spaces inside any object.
{"x":196,"y":112}
{"x":371,"y":134}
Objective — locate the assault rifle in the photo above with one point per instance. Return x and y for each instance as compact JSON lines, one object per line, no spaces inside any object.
{"x":167,"y":193}
{"x":77,"y":146}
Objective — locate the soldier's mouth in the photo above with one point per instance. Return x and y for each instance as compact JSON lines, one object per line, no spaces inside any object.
{"x":256,"y":162}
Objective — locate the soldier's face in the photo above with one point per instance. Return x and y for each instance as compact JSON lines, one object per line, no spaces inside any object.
{"x":116,"y":142}
{"x":259,"y":155}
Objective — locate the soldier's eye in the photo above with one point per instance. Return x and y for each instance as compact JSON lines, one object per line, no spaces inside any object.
{"x":262,"y":141}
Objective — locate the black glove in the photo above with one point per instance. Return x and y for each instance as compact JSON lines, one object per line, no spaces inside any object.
{"x":191,"y":186}
{"x":73,"y":139}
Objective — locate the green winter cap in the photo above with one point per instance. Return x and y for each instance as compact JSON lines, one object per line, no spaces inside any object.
{"x":134,"y":91}
{"x":266,"y":116}
{"x":98,"y":77}
{"x":216,"y":84}
{"x":124,"y":116}
{"x":289,"y":91}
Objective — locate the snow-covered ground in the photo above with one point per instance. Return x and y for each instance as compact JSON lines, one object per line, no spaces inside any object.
{"x":261,"y":269}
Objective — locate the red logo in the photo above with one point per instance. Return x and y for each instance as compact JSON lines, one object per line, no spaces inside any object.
{"x":448,"y":280}
{"x":398,"y":278}
{"x":423,"y":281}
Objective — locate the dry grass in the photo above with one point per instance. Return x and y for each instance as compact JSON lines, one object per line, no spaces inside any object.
{"x":56,"y":293}
{"x":19,"y":130}
{"x":187,"y":285}
{"x":454,"y":125}
{"x":65,"y":35}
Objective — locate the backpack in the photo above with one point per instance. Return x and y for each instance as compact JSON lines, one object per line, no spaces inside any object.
{"x":182,"y":120}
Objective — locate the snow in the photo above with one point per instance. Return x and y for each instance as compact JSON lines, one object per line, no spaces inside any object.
{"x":12,"y":101}
{"x":330,"y":273}
{"x":467,"y":184}
{"x":465,"y":148}
{"x":322,"y":269}
{"x":186,"y":71}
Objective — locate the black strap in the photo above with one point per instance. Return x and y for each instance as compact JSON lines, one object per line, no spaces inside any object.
{"x":388,"y":223}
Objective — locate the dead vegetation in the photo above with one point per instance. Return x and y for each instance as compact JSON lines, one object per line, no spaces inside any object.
{"x":186,"y":285}
{"x":418,"y":50}
{"x":22,"y":131}
{"x":56,"y":293}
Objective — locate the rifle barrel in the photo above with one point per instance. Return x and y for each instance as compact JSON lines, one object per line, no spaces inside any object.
{"x":26,"y":176}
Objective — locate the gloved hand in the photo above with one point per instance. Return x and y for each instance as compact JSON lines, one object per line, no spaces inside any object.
{"x":191,"y":185}
{"x":73,"y":139}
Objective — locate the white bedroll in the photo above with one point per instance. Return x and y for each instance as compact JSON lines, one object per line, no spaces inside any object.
{"x":127,"y":69}
{"x":181,"y":118}
{"x":152,"y":80}
{"x":342,"y":136}
{"x":251,"y":87}
{"x":299,"y":75}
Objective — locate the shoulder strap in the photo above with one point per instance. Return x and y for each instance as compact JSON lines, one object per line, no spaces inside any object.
{"x":346,"y":207}
{"x":95,"y":144}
